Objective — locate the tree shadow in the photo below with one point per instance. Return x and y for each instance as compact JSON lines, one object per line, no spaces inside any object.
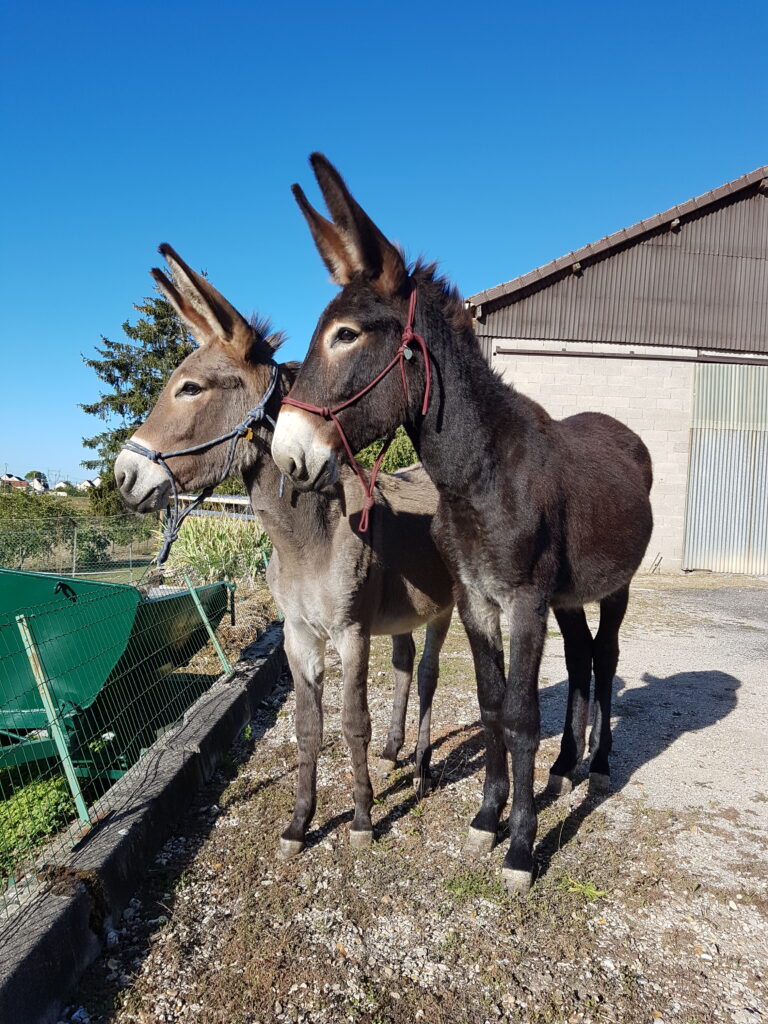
{"x":650,"y":720}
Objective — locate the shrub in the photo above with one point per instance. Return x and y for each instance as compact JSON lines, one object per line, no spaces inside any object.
{"x":31,"y":814}
{"x":401,"y":453}
{"x":219,"y":547}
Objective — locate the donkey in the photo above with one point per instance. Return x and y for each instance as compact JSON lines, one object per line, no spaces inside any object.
{"x":330,"y":582}
{"x":533,"y":513}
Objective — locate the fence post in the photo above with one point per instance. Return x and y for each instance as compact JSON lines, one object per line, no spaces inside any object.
{"x":217,"y":646}
{"x":51,"y":714}
{"x":74,"y":551}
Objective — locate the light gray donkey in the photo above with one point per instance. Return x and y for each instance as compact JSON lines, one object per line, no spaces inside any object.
{"x":330,"y":582}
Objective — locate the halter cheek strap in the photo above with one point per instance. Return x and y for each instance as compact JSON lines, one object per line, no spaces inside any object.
{"x":175,"y":516}
{"x":404,"y":353}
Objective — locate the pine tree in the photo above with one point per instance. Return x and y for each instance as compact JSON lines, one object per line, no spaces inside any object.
{"x":135,"y":372}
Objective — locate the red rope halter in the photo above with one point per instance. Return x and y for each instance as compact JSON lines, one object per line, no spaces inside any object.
{"x":400,"y":357}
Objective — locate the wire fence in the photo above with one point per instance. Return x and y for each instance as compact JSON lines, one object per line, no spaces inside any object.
{"x":112,"y":548}
{"x":97,"y":661}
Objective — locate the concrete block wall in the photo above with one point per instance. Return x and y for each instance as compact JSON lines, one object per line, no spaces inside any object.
{"x":654,"y":398}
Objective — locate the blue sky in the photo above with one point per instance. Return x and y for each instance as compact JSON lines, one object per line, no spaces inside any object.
{"x":491,"y":136}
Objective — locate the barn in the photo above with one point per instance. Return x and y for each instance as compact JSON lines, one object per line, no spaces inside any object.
{"x":663,"y":325}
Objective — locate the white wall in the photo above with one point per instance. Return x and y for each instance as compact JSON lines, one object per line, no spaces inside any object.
{"x":652,"y":397}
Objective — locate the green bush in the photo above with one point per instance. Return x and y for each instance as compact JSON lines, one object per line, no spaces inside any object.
{"x":220,"y":548}
{"x":401,"y":453}
{"x":29,"y":815}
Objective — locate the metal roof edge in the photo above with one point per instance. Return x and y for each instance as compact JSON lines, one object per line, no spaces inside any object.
{"x":621,"y":237}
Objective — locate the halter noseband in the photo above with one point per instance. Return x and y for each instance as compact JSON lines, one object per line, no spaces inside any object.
{"x":403,"y":353}
{"x":175,"y":517}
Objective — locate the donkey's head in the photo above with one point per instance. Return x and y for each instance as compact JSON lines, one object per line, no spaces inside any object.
{"x":358,"y":334}
{"x":205,"y":397}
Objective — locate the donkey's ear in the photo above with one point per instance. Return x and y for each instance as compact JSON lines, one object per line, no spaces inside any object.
{"x":329,"y":242}
{"x":205,"y":310}
{"x":367,"y":248}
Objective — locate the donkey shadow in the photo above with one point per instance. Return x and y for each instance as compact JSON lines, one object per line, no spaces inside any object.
{"x":648,"y":720}
{"x":651,"y":719}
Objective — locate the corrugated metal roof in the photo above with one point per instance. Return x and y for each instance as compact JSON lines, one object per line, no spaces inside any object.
{"x":694,"y":276}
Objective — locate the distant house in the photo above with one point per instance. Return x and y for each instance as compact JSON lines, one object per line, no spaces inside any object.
{"x":89,"y":485}
{"x":14,"y":481}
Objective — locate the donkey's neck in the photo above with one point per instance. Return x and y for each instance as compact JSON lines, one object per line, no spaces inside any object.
{"x":297,"y":520}
{"x":458,"y":437}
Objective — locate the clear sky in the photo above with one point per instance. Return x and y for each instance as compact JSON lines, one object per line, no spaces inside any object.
{"x":491,"y":136}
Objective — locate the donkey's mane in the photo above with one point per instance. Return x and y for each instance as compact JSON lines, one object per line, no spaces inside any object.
{"x":444,"y":291}
{"x":262,"y":328}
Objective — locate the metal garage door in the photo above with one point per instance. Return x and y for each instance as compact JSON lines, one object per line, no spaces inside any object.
{"x":726,"y":523}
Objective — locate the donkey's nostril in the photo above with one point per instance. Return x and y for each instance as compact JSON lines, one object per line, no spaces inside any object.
{"x":125,"y":478}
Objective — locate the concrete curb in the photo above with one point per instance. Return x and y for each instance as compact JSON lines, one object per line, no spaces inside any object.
{"x":46,"y":947}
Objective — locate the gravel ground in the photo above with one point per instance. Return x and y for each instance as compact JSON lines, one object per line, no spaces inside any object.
{"x":650,"y":903}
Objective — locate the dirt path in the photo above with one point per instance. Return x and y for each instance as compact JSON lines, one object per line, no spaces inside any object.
{"x":651,"y":904}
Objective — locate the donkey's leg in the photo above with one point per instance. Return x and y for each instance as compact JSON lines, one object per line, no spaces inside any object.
{"x":528,"y":623}
{"x":354,"y":647}
{"x":606,"y":658}
{"x":429,"y":670}
{"x":403,"y":654}
{"x":481,"y":620}
{"x":306,"y":659}
{"x":577,"y":640}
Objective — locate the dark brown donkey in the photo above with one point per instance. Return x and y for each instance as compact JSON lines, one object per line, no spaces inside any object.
{"x":533,"y":512}
{"x":329,"y":582}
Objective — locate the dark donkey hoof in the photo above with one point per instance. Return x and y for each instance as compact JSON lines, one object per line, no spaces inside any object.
{"x":599,"y":783}
{"x":423,"y":784}
{"x":516,"y":882}
{"x":360,"y":839}
{"x":289,"y":848}
{"x":559,"y":785}
{"x":479,"y":843}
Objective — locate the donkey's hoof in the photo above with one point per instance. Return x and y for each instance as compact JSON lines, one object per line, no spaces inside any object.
{"x":559,"y":785}
{"x":385,"y":765}
{"x":290,"y":848}
{"x":422,"y":785}
{"x":599,"y":783}
{"x":360,"y":840}
{"x":479,"y":843}
{"x":517,"y":883}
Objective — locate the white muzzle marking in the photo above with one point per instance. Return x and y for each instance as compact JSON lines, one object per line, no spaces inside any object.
{"x":142,"y":484}
{"x":295,"y":447}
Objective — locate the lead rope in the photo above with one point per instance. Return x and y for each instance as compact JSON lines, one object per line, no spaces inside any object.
{"x":403,"y":353}
{"x":175,"y":516}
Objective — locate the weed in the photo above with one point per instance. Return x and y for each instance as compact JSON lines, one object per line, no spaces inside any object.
{"x":588,"y":890}
{"x":475,"y":885}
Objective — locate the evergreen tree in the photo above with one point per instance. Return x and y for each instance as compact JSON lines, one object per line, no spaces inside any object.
{"x":36,"y":474}
{"x":134,"y":372}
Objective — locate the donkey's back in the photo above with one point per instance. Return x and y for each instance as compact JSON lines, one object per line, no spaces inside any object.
{"x":606,"y":474}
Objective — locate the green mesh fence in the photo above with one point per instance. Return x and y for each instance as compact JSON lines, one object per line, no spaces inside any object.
{"x":115,"y":549}
{"x":91,"y":674}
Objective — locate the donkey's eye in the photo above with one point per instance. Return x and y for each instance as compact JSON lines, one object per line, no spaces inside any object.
{"x":190,"y":388}
{"x":346,"y":334}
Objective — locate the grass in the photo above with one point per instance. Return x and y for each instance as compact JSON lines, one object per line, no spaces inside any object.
{"x":475,"y":885}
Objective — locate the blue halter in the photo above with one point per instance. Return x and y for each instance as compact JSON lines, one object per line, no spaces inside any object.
{"x":175,"y":516}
